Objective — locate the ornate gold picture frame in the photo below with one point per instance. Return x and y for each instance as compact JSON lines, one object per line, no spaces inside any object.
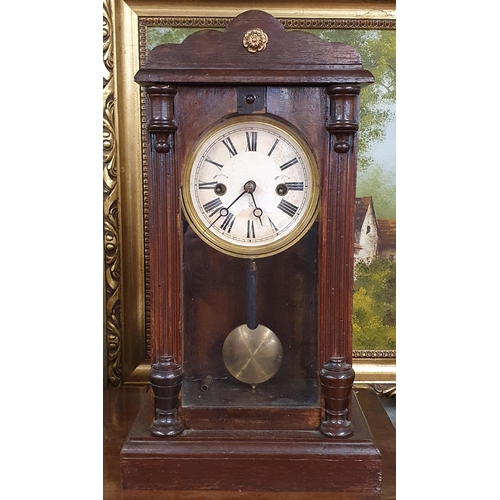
{"x":125,"y":32}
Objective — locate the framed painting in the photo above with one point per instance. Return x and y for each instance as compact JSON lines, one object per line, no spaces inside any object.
{"x":131,"y":29}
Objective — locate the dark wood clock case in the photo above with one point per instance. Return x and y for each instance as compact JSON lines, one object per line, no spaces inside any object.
{"x":304,"y":430}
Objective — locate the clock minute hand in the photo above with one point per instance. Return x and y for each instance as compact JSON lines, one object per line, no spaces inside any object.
{"x":223,"y":212}
{"x":236,"y":199}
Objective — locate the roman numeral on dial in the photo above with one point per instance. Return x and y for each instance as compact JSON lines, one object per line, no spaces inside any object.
{"x":230,"y":146}
{"x":273,"y":225}
{"x":251,"y":141}
{"x":207,"y":185}
{"x":288,"y":164}
{"x":218,"y":165}
{"x":212,"y":206}
{"x":272,"y":149}
{"x":250,"y":229}
{"x":295,"y":186}
{"x":287,"y":207}
{"x":227,"y":225}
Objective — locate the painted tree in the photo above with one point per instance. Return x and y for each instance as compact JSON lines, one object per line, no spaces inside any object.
{"x":160,"y":35}
{"x":377,"y":49}
{"x":374,"y":305}
{"x":380,"y":185}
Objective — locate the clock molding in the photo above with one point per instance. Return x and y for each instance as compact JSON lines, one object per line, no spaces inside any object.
{"x":127,"y":298}
{"x":307,"y":432}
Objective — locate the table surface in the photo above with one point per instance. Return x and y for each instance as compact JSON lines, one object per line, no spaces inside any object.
{"x":122,"y":404}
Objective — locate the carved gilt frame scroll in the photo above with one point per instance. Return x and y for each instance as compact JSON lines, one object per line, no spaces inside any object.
{"x":125,"y":220}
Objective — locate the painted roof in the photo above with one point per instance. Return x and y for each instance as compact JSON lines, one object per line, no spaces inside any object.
{"x":386,"y":232}
{"x":362,"y":206}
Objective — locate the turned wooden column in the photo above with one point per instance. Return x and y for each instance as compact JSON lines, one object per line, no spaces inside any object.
{"x":165,"y":259}
{"x":337,"y":258}
{"x":166,"y":380}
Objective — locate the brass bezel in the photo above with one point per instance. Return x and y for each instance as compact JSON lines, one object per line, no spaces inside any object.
{"x":308,"y":215}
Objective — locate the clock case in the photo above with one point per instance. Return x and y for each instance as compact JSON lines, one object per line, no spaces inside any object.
{"x":305,"y":430}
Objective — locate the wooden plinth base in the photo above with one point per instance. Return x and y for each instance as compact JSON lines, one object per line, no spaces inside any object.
{"x":252,"y":460}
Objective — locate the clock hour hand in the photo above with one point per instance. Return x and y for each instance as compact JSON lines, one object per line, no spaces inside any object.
{"x":250,"y":187}
{"x":257,"y":211}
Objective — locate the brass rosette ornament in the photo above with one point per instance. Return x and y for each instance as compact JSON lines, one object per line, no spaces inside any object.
{"x":255,"y":40}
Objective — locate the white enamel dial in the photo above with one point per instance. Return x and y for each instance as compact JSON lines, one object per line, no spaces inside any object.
{"x":250,"y":187}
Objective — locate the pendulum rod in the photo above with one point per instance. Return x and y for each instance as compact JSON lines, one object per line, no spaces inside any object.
{"x":252,"y":322}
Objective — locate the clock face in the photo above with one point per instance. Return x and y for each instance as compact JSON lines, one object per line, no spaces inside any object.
{"x":250,"y":187}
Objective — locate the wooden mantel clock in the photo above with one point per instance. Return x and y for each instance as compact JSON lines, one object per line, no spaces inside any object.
{"x":251,"y":196}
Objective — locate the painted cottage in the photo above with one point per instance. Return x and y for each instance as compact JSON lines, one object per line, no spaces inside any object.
{"x":372,"y":238}
{"x":365,"y":230}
